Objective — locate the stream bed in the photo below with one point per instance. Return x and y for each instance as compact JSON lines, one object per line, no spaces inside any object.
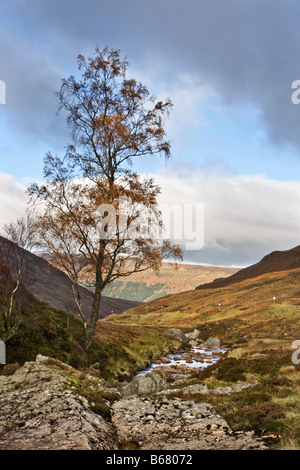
{"x":197,"y":358}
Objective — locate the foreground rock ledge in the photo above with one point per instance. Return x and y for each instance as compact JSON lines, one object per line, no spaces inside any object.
{"x":177,"y":425}
{"x":39,"y":411}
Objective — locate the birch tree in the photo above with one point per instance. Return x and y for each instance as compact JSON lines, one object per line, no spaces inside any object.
{"x":84,"y":220}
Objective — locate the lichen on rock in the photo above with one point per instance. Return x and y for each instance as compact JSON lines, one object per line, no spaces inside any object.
{"x":40,"y":411}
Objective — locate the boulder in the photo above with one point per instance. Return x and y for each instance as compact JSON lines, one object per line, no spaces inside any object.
{"x":196,"y":388}
{"x":196,"y":343}
{"x":193,"y":334}
{"x":213,"y":343}
{"x":177,"y":334}
{"x":145,"y":384}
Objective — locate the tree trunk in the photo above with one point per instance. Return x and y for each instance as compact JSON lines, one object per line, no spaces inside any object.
{"x":90,"y":330}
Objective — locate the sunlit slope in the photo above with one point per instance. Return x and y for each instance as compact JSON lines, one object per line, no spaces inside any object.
{"x":236,"y":301}
{"x":149,"y":285}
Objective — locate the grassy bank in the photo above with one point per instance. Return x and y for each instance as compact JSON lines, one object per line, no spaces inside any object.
{"x":259,"y":332}
{"x":260,"y":351}
{"x":119,"y":350}
{"x":126,"y":349}
{"x":237,"y":301}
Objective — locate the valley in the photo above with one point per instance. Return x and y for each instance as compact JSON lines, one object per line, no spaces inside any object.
{"x":250,"y":387}
{"x":149,"y":229}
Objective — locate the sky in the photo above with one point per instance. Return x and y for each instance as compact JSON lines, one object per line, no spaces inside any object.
{"x":228,"y":66}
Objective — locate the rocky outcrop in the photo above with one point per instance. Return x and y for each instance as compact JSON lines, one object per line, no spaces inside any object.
{"x":177,"y":334}
{"x":193,"y":334}
{"x":175,"y":424}
{"x":194,"y":389}
{"x":200,"y":388}
{"x":40,"y":411}
{"x":213,"y":343}
{"x":145,"y":384}
{"x":232,"y":388}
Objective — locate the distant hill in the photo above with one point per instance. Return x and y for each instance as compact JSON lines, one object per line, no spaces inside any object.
{"x":273,"y":262}
{"x":241,"y":300}
{"x":52,"y":286}
{"x":149,"y":285}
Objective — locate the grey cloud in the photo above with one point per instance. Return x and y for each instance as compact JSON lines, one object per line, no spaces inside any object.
{"x":244,"y":217}
{"x":31,"y":80}
{"x":236,"y":256}
{"x":248,"y":50}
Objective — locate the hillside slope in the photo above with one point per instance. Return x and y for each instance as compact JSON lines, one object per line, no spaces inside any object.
{"x":262,"y":337}
{"x":240,"y":299}
{"x":148,"y":285}
{"x":273,"y":262}
{"x":119,"y":350}
{"x":52,"y":286}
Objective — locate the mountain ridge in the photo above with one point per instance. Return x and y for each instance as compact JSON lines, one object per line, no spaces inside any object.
{"x":275,"y":261}
{"x":52,"y":286}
